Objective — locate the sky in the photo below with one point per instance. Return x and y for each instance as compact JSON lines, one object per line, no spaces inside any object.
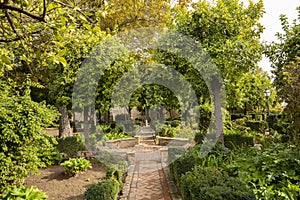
{"x":271,"y":22}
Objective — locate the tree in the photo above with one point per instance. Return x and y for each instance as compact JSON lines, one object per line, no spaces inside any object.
{"x":290,"y":94}
{"x":229,"y":32}
{"x":52,"y":57}
{"x":286,"y":50}
{"x":284,"y":56}
{"x":22,"y":121}
{"x":251,"y":88}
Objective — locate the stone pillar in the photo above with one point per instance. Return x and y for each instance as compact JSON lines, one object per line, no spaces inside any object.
{"x":164,"y":154}
{"x":131,"y":158}
{"x":137,"y":140}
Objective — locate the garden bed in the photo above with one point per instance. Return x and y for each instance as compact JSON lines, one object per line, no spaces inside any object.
{"x":59,"y":186}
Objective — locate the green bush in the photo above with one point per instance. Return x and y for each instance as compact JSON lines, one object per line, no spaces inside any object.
{"x":117,"y":174}
{"x":183,"y":164}
{"x":167,"y":131}
{"x":21,"y":122}
{"x":236,"y":116}
{"x":71,"y":145}
{"x":75,"y":165}
{"x":234,"y":138}
{"x":105,"y":190}
{"x":173,"y":123}
{"x":211,"y":184}
{"x":19,"y":193}
{"x":272,"y":172}
{"x":110,"y":187}
{"x":47,"y":151}
{"x":138,"y":121}
{"x":130,"y":128}
{"x":260,"y":126}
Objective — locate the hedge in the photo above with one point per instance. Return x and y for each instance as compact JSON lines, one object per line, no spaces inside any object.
{"x":104,"y":190}
{"x":211,"y":184}
{"x":260,"y":126}
{"x":110,"y":188}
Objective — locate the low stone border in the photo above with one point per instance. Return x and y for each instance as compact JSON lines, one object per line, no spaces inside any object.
{"x":172,"y":187}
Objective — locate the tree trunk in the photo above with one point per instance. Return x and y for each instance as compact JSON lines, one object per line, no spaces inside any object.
{"x":86,"y":124}
{"x":216,"y":88}
{"x":64,"y":122}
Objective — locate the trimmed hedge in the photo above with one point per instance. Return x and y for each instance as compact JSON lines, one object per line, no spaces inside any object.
{"x":211,"y":184}
{"x":260,"y":126}
{"x":232,"y":140}
{"x":110,"y":188}
{"x":105,"y":190}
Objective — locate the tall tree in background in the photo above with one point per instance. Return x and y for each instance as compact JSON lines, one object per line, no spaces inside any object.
{"x":284,"y":56}
{"x":229,"y":32}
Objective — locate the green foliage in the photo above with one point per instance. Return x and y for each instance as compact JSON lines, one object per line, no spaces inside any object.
{"x":260,"y":126}
{"x":110,"y":187}
{"x":71,"y":145}
{"x":234,"y":138}
{"x":229,"y":32}
{"x":76,"y":165}
{"x":251,"y":87}
{"x":272,"y":172}
{"x":114,"y":136}
{"x":19,"y":193}
{"x":21,"y":123}
{"x":211,"y":184}
{"x":47,"y":151}
{"x":284,"y":56}
{"x":167,"y":131}
{"x":105,"y":190}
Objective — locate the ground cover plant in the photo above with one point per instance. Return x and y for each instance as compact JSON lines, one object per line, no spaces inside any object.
{"x":76,"y":165}
{"x":269,"y":173}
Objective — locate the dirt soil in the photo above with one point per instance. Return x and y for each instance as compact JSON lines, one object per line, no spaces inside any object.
{"x":59,"y":186}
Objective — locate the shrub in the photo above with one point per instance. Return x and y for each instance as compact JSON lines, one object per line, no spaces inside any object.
{"x":236,"y":116}
{"x":21,"y":122}
{"x":130,"y":128}
{"x":183,"y":164}
{"x":105,"y":190}
{"x":138,"y":121}
{"x":75,"y":165}
{"x":114,"y":173}
{"x":110,"y":187}
{"x":272,"y":172}
{"x":260,"y":126}
{"x":173,"y":123}
{"x":71,"y":145}
{"x":167,"y":131}
{"x":234,"y":138}
{"x":19,"y":193}
{"x":211,"y":184}
{"x":199,"y":136}
{"x":47,"y":151}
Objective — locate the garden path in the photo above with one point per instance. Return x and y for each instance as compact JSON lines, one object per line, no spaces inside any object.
{"x":147,"y":178}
